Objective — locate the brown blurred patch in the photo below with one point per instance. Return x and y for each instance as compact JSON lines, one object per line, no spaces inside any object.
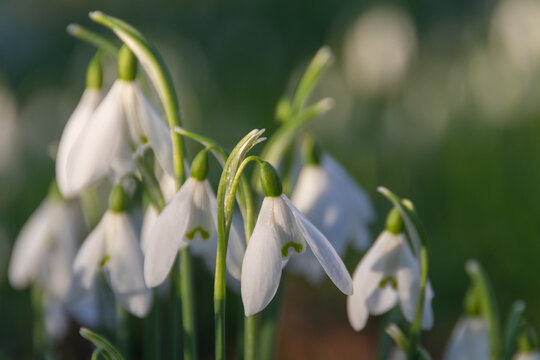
{"x":313,"y":325}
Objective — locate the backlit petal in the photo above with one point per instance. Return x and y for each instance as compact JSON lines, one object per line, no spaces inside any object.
{"x":125,"y":267}
{"x":99,"y":144}
{"x":31,"y":243}
{"x":261,"y":268}
{"x":323,"y":251}
{"x":77,"y":121}
{"x":167,"y":236}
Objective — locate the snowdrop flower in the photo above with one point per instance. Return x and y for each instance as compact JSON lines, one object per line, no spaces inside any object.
{"x":190,"y":219}
{"x":113,"y":246}
{"x":336,"y":205}
{"x":378,"y":50}
{"x":76,"y":123}
{"x":167,"y":185}
{"x":123,"y":122}
{"x":469,"y":340}
{"x":43,"y":255}
{"x":281,"y":231}
{"x":389,"y":273}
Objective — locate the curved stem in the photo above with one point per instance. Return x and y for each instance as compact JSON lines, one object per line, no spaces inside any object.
{"x":416,"y":232}
{"x":225,"y":200}
{"x":92,"y":38}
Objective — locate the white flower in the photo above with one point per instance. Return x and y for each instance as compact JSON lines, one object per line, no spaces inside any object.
{"x":379,"y":49}
{"x":124,"y":121}
{"x":190,"y":219}
{"x":76,"y":123}
{"x":281,"y":230}
{"x":388,"y":273}
{"x":337,"y":206}
{"x":168,"y":188}
{"x":113,"y":246}
{"x":532,"y":355}
{"x":469,"y":340}
{"x":43,"y":255}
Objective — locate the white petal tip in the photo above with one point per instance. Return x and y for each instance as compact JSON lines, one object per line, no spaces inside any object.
{"x":383,"y":190}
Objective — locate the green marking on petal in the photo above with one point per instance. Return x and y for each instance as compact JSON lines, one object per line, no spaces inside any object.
{"x":144,"y":140}
{"x":104,"y":261}
{"x":204,"y":234}
{"x":285,"y":249}
{"x":387,"y":280}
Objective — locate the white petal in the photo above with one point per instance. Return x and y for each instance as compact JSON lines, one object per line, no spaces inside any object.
{"x":261,"y":269}
{"x":203,"y":215}
{"x":167,"y":236}
{"x":29,"y":250}
{"x":56,"y":273}
{"x":101,"y":142}
{"x":236,"y":248}
{"x":88,"y":259}
{"x":382,"y":299}
{"x":201,"y":225}
{"x":469,"y":341}
{"x":323,"y":251}
{"x":149,"y":220}
{"x":77,"y":121}
{"x":408,"y":279}
{"x":156,"y":131}
{"x":349,"y":187}
{"x":125,"y":267}
{"x":316,"y":197}
{"x":367,"y":277}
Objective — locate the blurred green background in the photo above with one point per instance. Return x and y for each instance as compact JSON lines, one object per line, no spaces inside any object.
{"x":437,"y":100}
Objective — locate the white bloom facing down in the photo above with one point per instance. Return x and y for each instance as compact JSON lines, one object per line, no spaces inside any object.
{"x":124,"y":121}
{"x":76,"y":123}
{"x":469,"y":340}
{"x":337,"y":206}
{"x":43,"y":255}
{"x":190,"y":219}
{"x":113,"y":246}
{"x":388,"y":273}
{"x":281,"y":230}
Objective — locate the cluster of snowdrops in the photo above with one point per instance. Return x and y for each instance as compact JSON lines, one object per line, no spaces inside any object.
{"x":117,"y":141}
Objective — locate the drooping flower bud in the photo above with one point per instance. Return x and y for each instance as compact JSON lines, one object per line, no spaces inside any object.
{"x":270,"y":181}
{"x":127,"y":64}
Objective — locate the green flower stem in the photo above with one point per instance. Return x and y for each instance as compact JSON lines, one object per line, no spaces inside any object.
{"x":38,"y":329}
{"x":403,"y":343}
{"x":514,"y":325}
{"x":152,"y":330}
{"x":269,"y":324}
{"x":310,"y":78}
{"x":174,"y":309}
{"x":487,"y":305}
{"x":225,"y":202}
{"x":158,"y":72}
{"x":417,"y":236}
{"x":92,"y":38}
{"x":122,"y":331}
{"x":188,"y":306}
